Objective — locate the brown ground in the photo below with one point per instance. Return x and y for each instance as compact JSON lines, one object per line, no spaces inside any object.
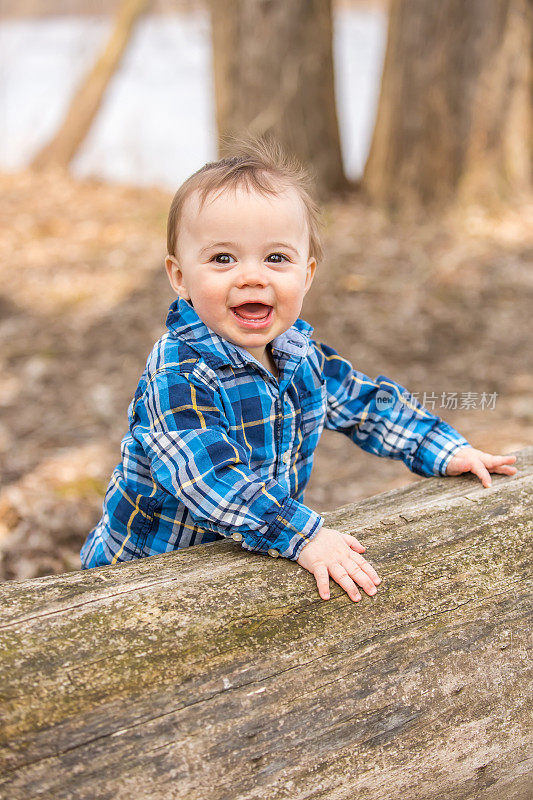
{"x":439,"y":306}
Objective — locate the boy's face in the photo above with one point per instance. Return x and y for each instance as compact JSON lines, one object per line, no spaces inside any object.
{"x":243,"y":262}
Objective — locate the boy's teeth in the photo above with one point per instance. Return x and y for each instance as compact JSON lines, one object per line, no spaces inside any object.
{"x":253,"y":310}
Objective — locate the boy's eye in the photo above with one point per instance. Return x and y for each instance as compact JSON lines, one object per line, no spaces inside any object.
{"x":278,"y":258}
{"x":223,"y":258}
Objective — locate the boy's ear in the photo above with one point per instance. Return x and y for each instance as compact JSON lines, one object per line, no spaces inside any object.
{"x":311,"y":267}
{"x":175,"y":276}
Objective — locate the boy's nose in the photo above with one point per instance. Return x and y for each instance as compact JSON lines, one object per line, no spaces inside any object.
{"x":252,"y":274}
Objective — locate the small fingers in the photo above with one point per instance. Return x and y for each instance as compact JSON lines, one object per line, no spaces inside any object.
{"x":365,"y":566}
{"x":499,"y":460}
{"x":359,"y":576}
{"x":489,"y":463}
{"x":505,"y":470}
{"x":352,"y":542}
{"x":479,"y":469}
{"x":341,"y":576}
{"x":322,"y":580}
{"x":501,"y":464}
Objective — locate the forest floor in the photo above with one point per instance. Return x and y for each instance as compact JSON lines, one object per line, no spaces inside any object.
{"x":442,"y":306}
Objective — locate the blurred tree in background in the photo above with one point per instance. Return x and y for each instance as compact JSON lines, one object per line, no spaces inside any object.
{"x":273,"y":71}
{"x":454,"y":116}
{"x":87,"y":99}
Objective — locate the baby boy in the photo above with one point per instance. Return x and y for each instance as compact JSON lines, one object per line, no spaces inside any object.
{"x":230,"y":407}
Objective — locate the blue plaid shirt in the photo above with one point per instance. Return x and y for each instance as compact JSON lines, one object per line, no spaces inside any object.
{"x":217,"y":447}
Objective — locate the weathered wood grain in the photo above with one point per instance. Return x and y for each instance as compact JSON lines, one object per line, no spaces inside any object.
{"x":216,"y":673}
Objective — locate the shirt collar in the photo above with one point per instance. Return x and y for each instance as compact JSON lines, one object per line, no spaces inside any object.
{"x":184,"y":322}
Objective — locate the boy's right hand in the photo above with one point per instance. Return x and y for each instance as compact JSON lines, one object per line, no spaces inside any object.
{"x":338,"y":554}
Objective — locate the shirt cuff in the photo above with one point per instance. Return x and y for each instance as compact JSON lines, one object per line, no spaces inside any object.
{"x":436,"y":450}
{"x":293,"y":527}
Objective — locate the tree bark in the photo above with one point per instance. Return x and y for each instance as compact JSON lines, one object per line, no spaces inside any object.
{"x":215,"y":672}
{"x":85,"y":104}
{"x":454,"y":117}
{"x":273,"y":75}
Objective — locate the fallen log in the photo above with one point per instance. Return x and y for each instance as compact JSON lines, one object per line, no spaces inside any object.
{"x":216,"y":673}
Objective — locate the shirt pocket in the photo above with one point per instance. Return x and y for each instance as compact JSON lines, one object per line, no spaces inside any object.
{"x":312,"y":416}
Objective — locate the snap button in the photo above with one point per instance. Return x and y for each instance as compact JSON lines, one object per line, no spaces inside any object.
{"x":286,"y":457}
{"x":273,"y":553}
{"x":237,"y":536}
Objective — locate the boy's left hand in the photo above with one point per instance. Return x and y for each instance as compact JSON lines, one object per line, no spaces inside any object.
{"x":468,"y":459}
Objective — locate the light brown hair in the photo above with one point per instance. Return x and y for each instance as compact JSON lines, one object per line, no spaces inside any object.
{"x":259,"y":165}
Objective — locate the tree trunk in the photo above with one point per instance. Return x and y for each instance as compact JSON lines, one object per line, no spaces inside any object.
{"x":273,"y":70}
{"x":85,"y":104}
{"x":213,"y":672}
{"x":454,"y":116}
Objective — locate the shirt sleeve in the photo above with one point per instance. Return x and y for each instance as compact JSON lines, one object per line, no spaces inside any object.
{"x":383,"y":418}
{"x":180,"y":424}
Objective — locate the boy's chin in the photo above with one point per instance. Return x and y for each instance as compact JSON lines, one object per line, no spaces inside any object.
{"x":254,"y":343}
{"x":254,"y":340}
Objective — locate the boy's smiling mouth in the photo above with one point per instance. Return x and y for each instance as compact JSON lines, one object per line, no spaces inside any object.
{"x":253,"y":315}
